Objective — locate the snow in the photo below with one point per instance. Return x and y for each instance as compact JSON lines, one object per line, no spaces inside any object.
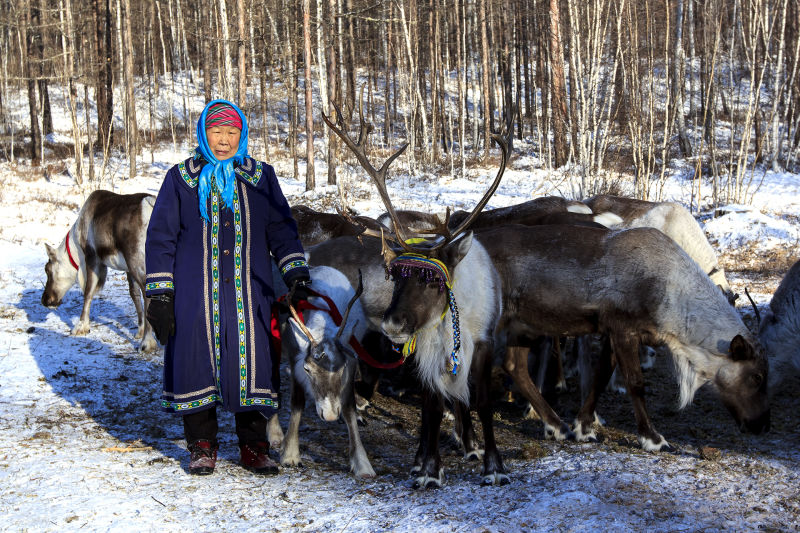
{"x":85,"y":445}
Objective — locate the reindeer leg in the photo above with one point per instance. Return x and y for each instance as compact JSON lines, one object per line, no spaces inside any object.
{"x":429,"y":472}
{"x":149,"y":343}
{"x":626,"y":351}
{"x":557,"y":362}
{"x":494,"y":473}
{"x":515,"y":364}
{"x":359,"y":462}
{"x":136,"y":297}
{"x":464,"y":432}
{"x":94,"y":282}
{"x":583,"y":426}
{"x":290,"y":451}
{"x":274,"y":432}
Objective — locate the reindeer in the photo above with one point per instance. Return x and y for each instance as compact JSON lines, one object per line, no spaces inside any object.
{"x":110,"y":232}
{"x":323,"y":366}
{"x":673,"y":220}
{"x":633,"y":285}
{"x":779,"y":330}
{"x":315,"y":227}
{"x":574,"y":280}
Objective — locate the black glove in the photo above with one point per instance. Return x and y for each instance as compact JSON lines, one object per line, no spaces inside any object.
{"x":300,"y":290}
{"x":161,"y":315}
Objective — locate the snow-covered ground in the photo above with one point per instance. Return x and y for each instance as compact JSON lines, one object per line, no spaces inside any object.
{"x":85,"y":445}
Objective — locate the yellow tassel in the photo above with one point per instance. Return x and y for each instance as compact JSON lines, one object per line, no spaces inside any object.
{"x":409,"y":347}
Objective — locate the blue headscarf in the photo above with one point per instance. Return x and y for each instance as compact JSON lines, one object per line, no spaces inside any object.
{"x":222,"y":171}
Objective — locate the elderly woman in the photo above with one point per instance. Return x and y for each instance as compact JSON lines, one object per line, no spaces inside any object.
{"x":217,"y":219}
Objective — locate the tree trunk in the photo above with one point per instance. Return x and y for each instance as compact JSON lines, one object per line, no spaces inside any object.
{"x":33,"y":108}
{"x":486,"y":84}
{"x":242,"y":70}
{"x":227,"y":74}
{"x":558,"y":91}
{"x":677,"y":81}
{"x":309,"y":102}
{"x":130,"y":104}
{"x":333,"y":87}
{"x":65,"y":7}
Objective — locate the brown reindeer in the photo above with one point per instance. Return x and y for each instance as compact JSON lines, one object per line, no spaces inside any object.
{"x":315,"y":226}
{"x":673,"y":220}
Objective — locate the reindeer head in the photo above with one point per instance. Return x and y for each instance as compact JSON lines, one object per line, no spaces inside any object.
{"x":742,"y":384}
{"x":61,"y":276}
{"x":329,"y":365}
{"x":421,"y":268}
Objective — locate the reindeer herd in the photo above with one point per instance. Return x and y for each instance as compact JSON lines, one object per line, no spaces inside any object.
{"x":448,"y":293}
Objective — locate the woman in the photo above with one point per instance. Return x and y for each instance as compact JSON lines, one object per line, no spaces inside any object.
{"x":217,"y":218}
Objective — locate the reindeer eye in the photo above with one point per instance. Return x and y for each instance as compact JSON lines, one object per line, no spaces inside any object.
{"x":757,"y":380}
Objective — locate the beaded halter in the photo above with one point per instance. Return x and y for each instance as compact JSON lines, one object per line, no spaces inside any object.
{"x":430,"y":271}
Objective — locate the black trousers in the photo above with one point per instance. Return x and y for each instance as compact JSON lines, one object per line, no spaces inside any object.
{"x":251,"y":426}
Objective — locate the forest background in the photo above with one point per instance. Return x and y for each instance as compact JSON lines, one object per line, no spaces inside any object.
{"x":614,"y":89}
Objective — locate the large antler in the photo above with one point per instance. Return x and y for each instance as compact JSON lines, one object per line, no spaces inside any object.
{"x":379,"y":178}
{"x":378,"y":175}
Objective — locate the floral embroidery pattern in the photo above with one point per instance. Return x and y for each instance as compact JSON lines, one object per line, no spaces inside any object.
{"x":159,"y":285}
{"x":255,"y":178}
{"x":190,"y":181}
{"x":183,"y":406}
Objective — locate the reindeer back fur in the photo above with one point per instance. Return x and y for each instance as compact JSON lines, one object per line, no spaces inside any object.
{"x":780,"y":327}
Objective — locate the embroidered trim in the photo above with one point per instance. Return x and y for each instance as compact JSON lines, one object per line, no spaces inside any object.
{"x":294,"y":264}
{"x":183,"y":406}
{"x":290,"y":257}
{"x":195,"y":169}
{"x":190,"y":181}
{"x":159,"y":275}
{"x":171,"y":396}
{"x":242,"y":172}
{"x":247,"y":166}
{"x":430,"y":270}
{"x":215,"y":280}
{"x":155,"y":285}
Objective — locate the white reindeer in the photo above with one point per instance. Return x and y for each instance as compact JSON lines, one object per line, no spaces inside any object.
{"x":323,"y":365}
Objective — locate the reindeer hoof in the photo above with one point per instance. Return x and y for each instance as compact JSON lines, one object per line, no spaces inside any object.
{"x":367,"y":473}
{"x":474,"y":455}
{"x":427,"y":482}
{"x":584,"y":436}
{"x":559,"y":434}
{"x":148,"y":345}
{"x":497,"y":479}
{"x":561,"y":386}
{"x":650,"y":445}
{"x":80,"y":329}
{"x":360,"y":420}
{"x":530,"y":413}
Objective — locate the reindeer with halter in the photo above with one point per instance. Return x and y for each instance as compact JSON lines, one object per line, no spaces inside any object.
{"x":322,"y":365}
{"x":452,"y":293}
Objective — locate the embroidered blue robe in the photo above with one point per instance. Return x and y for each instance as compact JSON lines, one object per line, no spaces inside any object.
{"x":221,"y":277}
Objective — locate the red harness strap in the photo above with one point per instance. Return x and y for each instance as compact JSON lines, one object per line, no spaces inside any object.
{"x":69,"y":254}
{"x":337,"y":319}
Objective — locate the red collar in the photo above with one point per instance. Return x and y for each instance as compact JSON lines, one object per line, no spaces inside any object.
{"x":337,"y":319}
{"x":69,"y":254}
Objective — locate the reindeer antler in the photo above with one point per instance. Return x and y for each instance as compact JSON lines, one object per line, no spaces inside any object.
{"x":299,"y":320}
{"x":755,"y":308}
{"x":355,"y":297}
{"x":378,"y":175}
{"x":379,"y":179}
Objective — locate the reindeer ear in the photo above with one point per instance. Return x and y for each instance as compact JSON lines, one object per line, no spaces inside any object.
{"x":458,"y":249}
{"x":51,"y":252}
{"x":741,"y":350}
